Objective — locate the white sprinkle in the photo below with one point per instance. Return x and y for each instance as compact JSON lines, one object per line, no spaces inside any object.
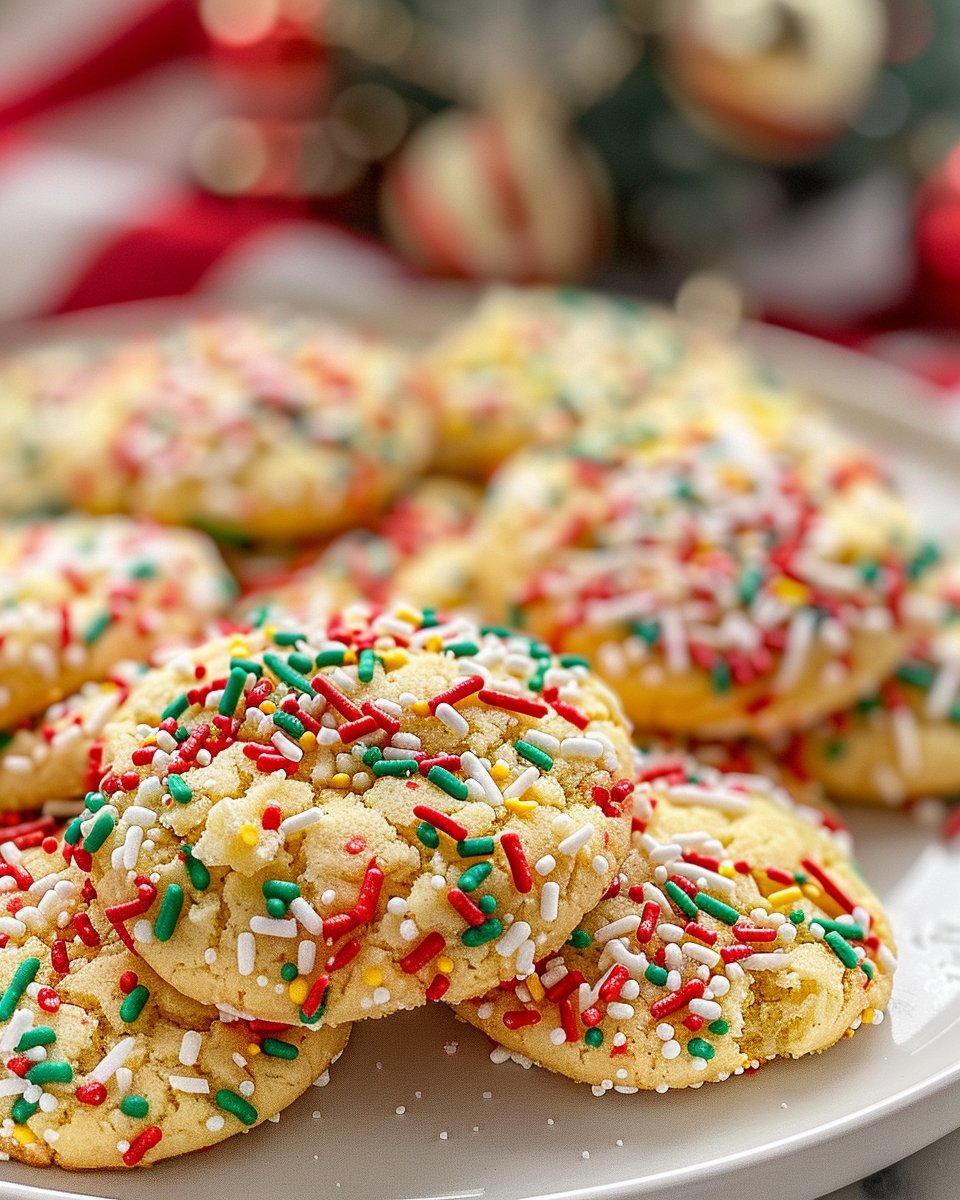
{"x":620,"y":1012}
{"x":701,"y":954}
{"x":670,"y":1049}
{"x":381,"y":995}
{"x":570,"y":845}
{"x":306,"y":915}
{"x":543,"y":741}
{"x":113,"y":1060}
{"x":12,"y":1086}
{"x":511,"y":941}
{"x":453,"y":720}
{"x":906,"y":738}
{"x":273,"y":927}
{"x":549,"y":900}
{"x":215,"y":1123}
{"x":715,"y":882}
{"x":246,"y":953}
{"x":523,"y":782}
{"x":725,"y":801}
{"x":600,"y":864}
{"x":187,"y":1083}
{"x":545,"y":865}
{"x":409,"y":929}
{"x":290,"y":750}
{"x":143,"y":932}
{"x":581,"y":747}
{"x":131,"y":846}
{"x":616,"y":929}
{"x":190,"y":1048}
{"x":247,"y":1088}
{"x":943,"y":691}
{"x":21,"y":1021}
{"x":474,"y":769}
{"x":306,"y":957}
{"x":300,"y":821}
{"x":708,"y":1009}
{"x":800,"y":637}
{"x":762,"y":962}
{"x":674,"y":641}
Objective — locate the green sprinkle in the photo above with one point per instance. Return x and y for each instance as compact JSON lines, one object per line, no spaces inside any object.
{"x":71,"y":835}
{"x":181,"y":733}
{"x":475,"y":847}
{"x":199,"y":875}
{"x":280,"y":889}
{"x":430,"y":618}
{"x":869,"y":570}
{"x":288,"y":638}
{"x":647,"y":631}
{"x":846,"y":929}
{"x":101,"y":829}
{"x":427,"y":834}
{"x":97,"y":628}
{"x":461,"y":649}
{"x":440,"y":777}
{"x":276,"y":908}
{"x":681,"y":899}
{"x":397,"y":767}
{"x":134,"y":1106}
{"x":289,"y":972}
{"x":287,"y":674}
{"x":232,"y":692}
{"x":179,"y":789}
{"x":248,"y":665}
{"x":698,"y":1048}
{"x":750,"y":582}
{"x":538,"y":678}
{"x":22,"y":1111}
{"x":477,"y":935}
{"x":274,"y":1048}
{"x":176,"y":708}
{"x":502,"y":631}
{"x":50,"y":1072}
{"x":835,"y":749}
{"x":594,"y":1038}
{"x":300,"y":662}
{"x":867,"y":967}
{"x":919,"y":674}
{"x":656,"y":975}
{"x":798,"y":916}
{"x":143,"y":570}
{"x":842,"y":949}
{"x":330,"y":658}
{"x":473,"y":876}
{"x":94,"y":801}
{"x":289,"y":724}
{"x":574,"y":660}
{"x":720,"y":678}
{"x":6,"y":737}
{"x":487,"y":905}
{"x":169,"y":913}
{"x":717,"y":908}
{"x":534,"y":754}
{"x":719,"y":1027}
{"x":371,"y":756}
{"x":366,"y":665}
{"x":539,"y":650}
{"x":580,"y":939}
{"x":23,"y":977}
{"x":232,"y":1103}
{"x":133,"y":1003}
{"x":40,"y":1035}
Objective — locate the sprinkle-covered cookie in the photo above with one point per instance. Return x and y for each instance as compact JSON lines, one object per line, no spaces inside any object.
{"x":102,"y":1064}
{"x":730,"y":567}
{"x":737,"y":931}
{"x":59,"y":756}
{"x":255,"y":426}
{"x":79,"y":594}
{"x":902,"y":741}
{"x":531,"y":364}
{"x":355,"y":818}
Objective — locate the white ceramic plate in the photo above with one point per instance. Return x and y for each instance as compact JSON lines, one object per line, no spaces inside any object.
{"x":416,"y":1109}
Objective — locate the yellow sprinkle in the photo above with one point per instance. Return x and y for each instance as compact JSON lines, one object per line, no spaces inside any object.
{"x":849,"y":1032}
{"x":535,"y":987}
{"x":252,"y":1049}
{"x":25,"y":1136}
{"x":867,"y":1016}
{"x":413,"y":615}
{"x":269,"y":631}
{"x":309,"y":740}
{"x":790,"y":591}
{"x":349,"y":657}
{"x":434,"y":644}
{"x":372,"y":976}
{"x":499,"y":770}
{"x":298,"y":991}
{"x":788,"y":895}
{"x":249,"y":834}
{"x":150,"y":741}
{"x":340,"y":780}
{"x":239,"y":649}
{"x":445,"y":964}
{"x":267,"y":706}
{"x":420,"y":707}
{"x":392,"y":659}
{"x":523,"y":808}
{"x":728,"y":870}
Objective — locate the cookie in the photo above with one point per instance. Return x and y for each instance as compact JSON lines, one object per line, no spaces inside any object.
{"x":58,"y":756}
{"x":731,"y":567}
{"x":534,"y":364}
{"x":79,"y":594}
{"x":737,"y":931}
{"x":902,"y":742}
{"x":253,"y":426}
{"x":105,"y":1065}
{"x":353,"y":819}
{"x":420,"y":551}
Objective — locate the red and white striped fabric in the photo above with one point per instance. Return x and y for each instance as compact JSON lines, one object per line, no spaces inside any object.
{"x":99,"y":102}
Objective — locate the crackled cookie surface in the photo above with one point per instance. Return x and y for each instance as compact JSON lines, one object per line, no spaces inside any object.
{"x":358,"y":817}
{"x":59,"y":755}
{"x":535,"y":363}
{"x":738,"y":930}
{"x":731,"y":568}
{"x":253,"y":426}
{"x":102,"y":1064}
{"x":79,"y":594}
{"x":902,"y":741}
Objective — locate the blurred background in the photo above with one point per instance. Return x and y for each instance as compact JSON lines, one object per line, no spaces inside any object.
{"x":793,"y":159}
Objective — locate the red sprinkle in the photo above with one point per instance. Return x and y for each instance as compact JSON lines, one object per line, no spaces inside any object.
{"x":438,"y":987}
{"x":141,"y":1144}
{"x":517,"y":704}
{"x":779,"y":875}
{"x":346,"y":708}
{"x":610,"y":988}
{"x":517,"y":860}
{"x":692,"y":929}
{"x":676,"y":1000}
{"x":830,"y":886}
{"x":423,"y":952}
{"x":648,"y":920}
{"x":349,"y":731}
{"x":347,"y":953}
{"x":59,"y":959}
{"x":568,"y":1019}
{"x":521,"y":1017}
{"x":591,"y":1016}
{"x":465,"y":907}
{"x":731,"y":954}
{"x":465,"y":687}
{"x":48,"y":999}
{"x":85,"y":930}
{"x":272,"y":815}
{"x":92,"y":1093}
{"x":445,"y":824}
{"x":754,"y":933}
{"x":693,"y":1022}
{"x":565,"y":987}
{"x":128,"y":981}
{"x":356,"y":845}
{"x":685,"y":885}
{"x":383,"y":719}
{"x":315,"y":995}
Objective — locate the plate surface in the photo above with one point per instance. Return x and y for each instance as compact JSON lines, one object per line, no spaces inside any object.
{"x":416,"y":1109}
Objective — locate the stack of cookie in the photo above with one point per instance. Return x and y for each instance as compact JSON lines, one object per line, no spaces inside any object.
{"x":388,"y":773}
